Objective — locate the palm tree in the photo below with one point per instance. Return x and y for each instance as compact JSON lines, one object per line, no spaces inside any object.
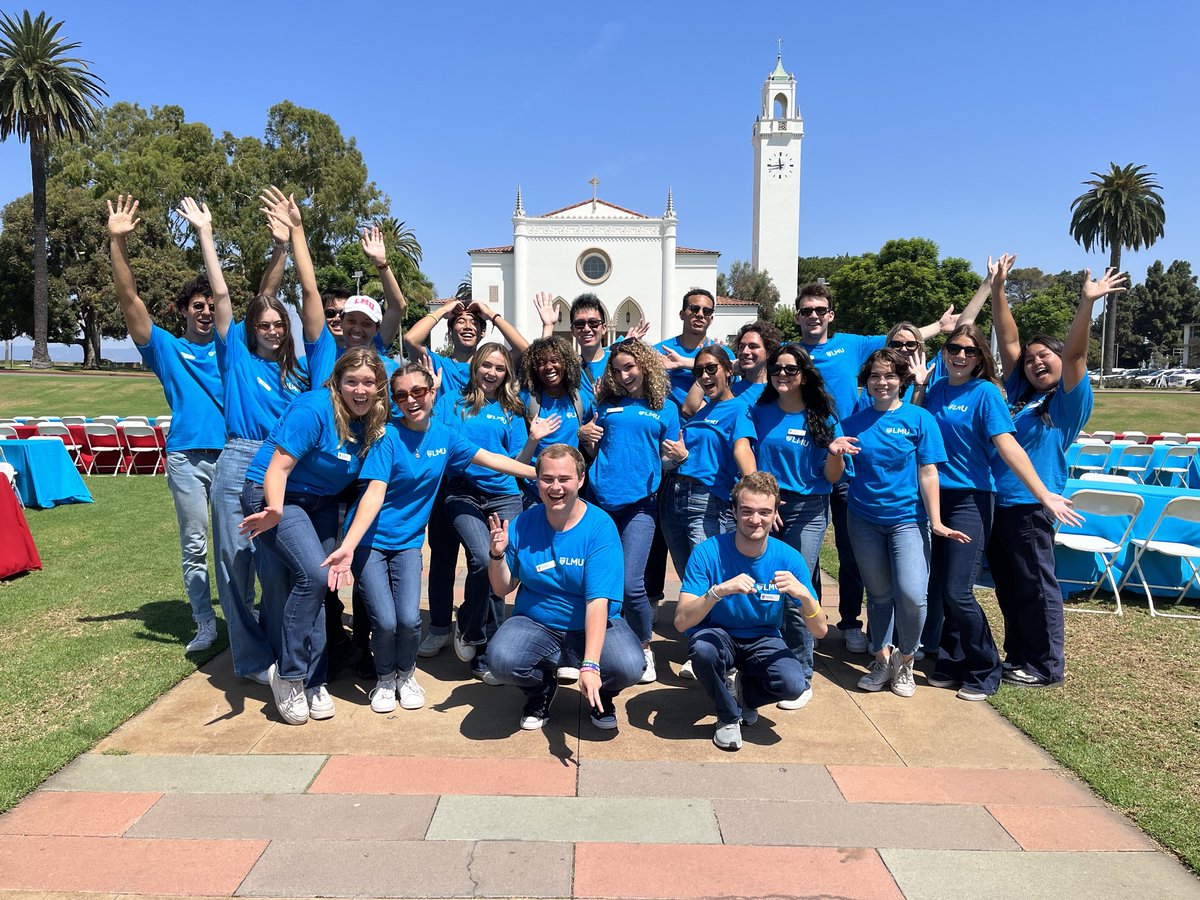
{"x":44,"y":95}
{"x":1122,"y":209}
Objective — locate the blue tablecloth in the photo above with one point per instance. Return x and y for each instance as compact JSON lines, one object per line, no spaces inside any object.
{"x":1160,"y":452}
{"x":46,"y":476}
{"x":1158,"y":569}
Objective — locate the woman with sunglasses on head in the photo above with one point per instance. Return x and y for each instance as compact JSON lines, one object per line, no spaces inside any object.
{"x":976,"y":427}
{"x":290,"y":498}
{"x":382,"y":546}
{"x":1050,"y":399}
{"x":794,"y":424}
{"x":634,"y":419}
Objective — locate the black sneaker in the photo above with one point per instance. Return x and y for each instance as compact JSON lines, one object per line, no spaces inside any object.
{"x":536,"y":713}
{"x":1022,"y":678}
{"x":605,"y":717}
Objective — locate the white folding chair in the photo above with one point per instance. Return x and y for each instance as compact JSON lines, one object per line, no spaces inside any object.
{"x":103,"y":440}
{"x":141,"y":441}
{"x":165,"y":425}
{"x":1183,"y":509}
{"x":106,"y":420}
{"x":1174,"y":436}
{"x":162,"y":421}
{"x":135,"y":420}
{"x":7,"y":431}
{"x":1091,"y":458}
{"x":4,"y":421}
{"x":1193,"y":437}
{"x":74,"y":420}
{"x":1106,"y":504}
{"x":1121,"y":442}
{"x":63,"y":433}
{"x":1134,"y":462}
{"x":1136,"y":436}
{"x":1106,"y":436}
{"x":1111,"y":479}
{"x":1090,"y":442}
{"x":1178,"y":461}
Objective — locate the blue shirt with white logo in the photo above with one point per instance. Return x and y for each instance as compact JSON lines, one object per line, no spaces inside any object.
{"x":563,"y":407}
{"x":709,"y":436}
{"x":628,"y":464}
{"x":892,"y":445}
{"x":492,"y":428}
{"x":255,"y":396}
{"x":681,"y":379}
{"x":191,"y":382}
{"x":969,"y":416}
{"x":784,"y":448}
{"x":839,"y":360}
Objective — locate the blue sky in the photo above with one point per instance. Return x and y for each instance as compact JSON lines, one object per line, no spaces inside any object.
{"x":970,"y":124}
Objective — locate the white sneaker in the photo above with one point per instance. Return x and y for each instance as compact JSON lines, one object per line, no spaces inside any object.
{"x":412,"y":695}
{"x":289,"y":697}
{"x":903,"y":684}
{"x":433,"y":644}
{"x":686,"y":671}
{"x":383,"y":698}
{"x":566,"y":675}
{"x":463,"y":650}
{"x":878,"y":676}
{"x":856,"y":641}
{"x":651,"y":674}
{"x":320,"y":704}
{"x":728,"y":737}
{"x":206,"y":634}
{"x":799,"y":703}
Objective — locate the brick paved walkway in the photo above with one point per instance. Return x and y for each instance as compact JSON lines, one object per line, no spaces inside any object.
{"x":208,"y":794}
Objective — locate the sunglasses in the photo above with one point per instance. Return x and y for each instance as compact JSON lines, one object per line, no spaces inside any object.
{"x":967,"y":351}
{"x":332,"y":313}
{"x":586,"y":323}
{"x":270,"y":326}
{"x":790,"y":371}
{"x":417,"y":393}
{"x":202,"y":307}
{"x":697,"y":309}
{"x":706,"y":369}
{"x":904,"y":345}
{"x":812,"y":311}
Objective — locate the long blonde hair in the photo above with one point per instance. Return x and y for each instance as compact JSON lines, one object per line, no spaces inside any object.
{"x":376,"y":418}
{"x":473,"y":397}
{"x":655,"y":386}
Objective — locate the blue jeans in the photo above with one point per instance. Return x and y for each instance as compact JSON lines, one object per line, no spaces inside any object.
{"x":850,"y":585}
{"x":468,"y":507}
{"x":190,"y":480}
{"x":805,"y":518}
{"x":305,"y":535}
{"x":894,"y":563}
{"x":527,"y":654}
{"x":391,"y":581}
{"x":768,"y":670}
{"x":967,"y":651}
{"x":690,"y":514}
{"x":443,"y":563}
{"x":1021,"y":557}
{"x":635,"y":524}
{"x":248,"y":643}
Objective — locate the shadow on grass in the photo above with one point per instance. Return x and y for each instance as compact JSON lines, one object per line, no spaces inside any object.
{"x":165,"y":621}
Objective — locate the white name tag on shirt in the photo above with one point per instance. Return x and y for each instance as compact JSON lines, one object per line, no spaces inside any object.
{"x":769,"y":598}
{"x":543,"y":567}
{"x":797,"y":432}
{"x":344,"y":457}
{"x":615,"y":410}
{"x":265,"y":386}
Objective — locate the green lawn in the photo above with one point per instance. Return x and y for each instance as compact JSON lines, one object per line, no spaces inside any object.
{"x":101,"y":394}
{"x":1152,"y":412}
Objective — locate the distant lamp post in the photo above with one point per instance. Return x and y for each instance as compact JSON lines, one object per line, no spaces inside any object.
{"x":357,"y":280}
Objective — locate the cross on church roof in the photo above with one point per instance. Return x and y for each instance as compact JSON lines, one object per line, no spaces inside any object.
{"x":595,"y":183}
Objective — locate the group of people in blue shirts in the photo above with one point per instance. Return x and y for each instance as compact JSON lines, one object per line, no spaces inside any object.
{"x":335,"y":467}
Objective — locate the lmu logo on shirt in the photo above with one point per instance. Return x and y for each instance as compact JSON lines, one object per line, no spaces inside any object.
{"x":959,"y":407}
{"x":897,"y":429}
{"x":830,"y":354}
{"x":440,"y":451}
{"x":570,"y":561}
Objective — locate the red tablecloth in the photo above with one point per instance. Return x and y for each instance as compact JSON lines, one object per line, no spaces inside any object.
{"x":140,"y":464}
{"x":18,"y":554}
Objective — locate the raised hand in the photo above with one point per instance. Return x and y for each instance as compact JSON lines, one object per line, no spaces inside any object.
{"x":842,"y":446}
{"x":541,"y":428}
{"x":948,"y":321}
{"x":639,"y":330}
{"x":590,"y":431}
{"x":281,"y":231}
{"x":196,"y":214}
{"x":546,"y":310}
{"x":122,"y":218}
{"x":284,"y":205}
{"x":920,"y":369}
{"x":372,"y":245}
{"x":498,"y":529}
{"x":1113,"y":282}
{"x":452,"y":305}
{"x":672,"y":360}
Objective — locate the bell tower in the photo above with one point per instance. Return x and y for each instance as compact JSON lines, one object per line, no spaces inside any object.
{"x":778,"y":130}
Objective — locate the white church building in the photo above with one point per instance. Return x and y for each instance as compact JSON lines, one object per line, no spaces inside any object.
{"x":633,"y":261}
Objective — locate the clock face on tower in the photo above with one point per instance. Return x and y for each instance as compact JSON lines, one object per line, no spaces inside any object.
{"x":779,"y":166}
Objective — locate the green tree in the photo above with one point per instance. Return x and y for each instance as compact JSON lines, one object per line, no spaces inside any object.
{"x":1048,"y":312}
{"x":745,"y":282}
{"x":1022,"y":284}
{"x":45,"y":95}
{"x":1122,"y":208}
{"x":1162,"y":304}
{"x":814,"y":268}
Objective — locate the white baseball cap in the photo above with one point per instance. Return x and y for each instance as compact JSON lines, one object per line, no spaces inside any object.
{"x":361,"y":303}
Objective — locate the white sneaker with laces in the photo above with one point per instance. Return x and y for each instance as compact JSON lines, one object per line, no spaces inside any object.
{"x":433,"y":644}
{"x":878,"y":676}
{"x":651,"y":674}
{"x":206,"y":634}
{"x":289,"y":697}
{"x":412,"y":695}
{"x":799,"y":703}
{"x":383,"y":698}
{"x":463,"y":650}
{"x":903,"y":684}
{"x":320,"y":703}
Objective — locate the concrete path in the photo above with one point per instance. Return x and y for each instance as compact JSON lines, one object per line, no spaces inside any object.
{"x":209,"y":794}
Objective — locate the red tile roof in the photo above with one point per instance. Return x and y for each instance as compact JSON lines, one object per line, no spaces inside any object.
{"x":507,"y":249}
{"x":734,"y":301}
{"x":694,"y":250}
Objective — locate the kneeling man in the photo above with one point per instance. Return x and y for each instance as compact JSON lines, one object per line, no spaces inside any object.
{"x":564,"y":557}
{"x":731,"y":606}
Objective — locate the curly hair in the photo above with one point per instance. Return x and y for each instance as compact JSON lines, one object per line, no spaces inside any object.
{"x":818,"y":405}
{"x":655,"y":385}
{"x":473,"y":398}
{"x":543,"y":349}
{"x":376,"y":418}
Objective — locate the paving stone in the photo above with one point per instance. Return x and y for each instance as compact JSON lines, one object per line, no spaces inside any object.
{"x":1070,"y":828}
{"x":410,"y":869}
{"x":190,"y":774}
{"x":675,"y":872}
{"x":1008,"y":787}
{"x":660,"y":778}
{"x":287,"y":817}
{"x":574,"y":819}
{"x":82,"y":813}
{"x":425,"y":775}
{"x":942,"y":875}
{"x":198,"y":868}
{"x":841,"y":824}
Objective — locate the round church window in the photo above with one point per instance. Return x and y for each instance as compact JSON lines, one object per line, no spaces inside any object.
{"x":594,"y":266}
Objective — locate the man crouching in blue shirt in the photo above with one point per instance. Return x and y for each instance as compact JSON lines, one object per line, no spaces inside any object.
{"x":564,"y":557}
{"x":731,"y":606}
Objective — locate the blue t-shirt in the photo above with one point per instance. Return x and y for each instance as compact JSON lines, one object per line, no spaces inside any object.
{"x":323,"y":354}
{"x":490,"y":429}
{"x":709,"y":436}
{"x":743,"y":615}
{"x":255,"y":396}
{"x":681,"y":379}
{"x":892,"y":445}
{"x":628,"y":464}
{"x":1046,"y":444}
{"x":593,"y":371}
{"x":564,"y":408}
{"x":784,"y":448}
{"x":969,"y":416}
{"x":839,"y":360}
{"x":560,"y":571}
{"x":324,"y":465}
{"x":192,"y":384}
{"x":411,"y":463}
{"x":747,"y":391}
{"x":455,"y":374}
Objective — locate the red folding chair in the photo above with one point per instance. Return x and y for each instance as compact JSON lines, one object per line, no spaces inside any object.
{"x":104,"y":448}
{"x":142,"y":442}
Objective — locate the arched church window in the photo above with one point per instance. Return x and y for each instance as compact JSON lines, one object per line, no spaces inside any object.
{"x":594,"y":266}
{"x":562,"y":328}
{"x":629,"y":313}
